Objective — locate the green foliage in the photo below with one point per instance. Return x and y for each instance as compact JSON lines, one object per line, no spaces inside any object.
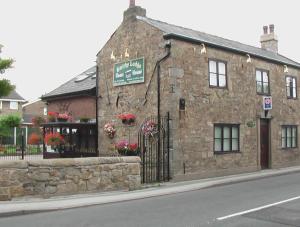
{"x":5,"y":64}
{"x":8,"y":122}
{"x":5,"y":87}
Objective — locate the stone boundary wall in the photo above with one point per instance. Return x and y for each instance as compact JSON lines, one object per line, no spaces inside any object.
{"x":54,"y":177}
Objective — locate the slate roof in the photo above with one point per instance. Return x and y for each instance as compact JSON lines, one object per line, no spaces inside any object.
{"x":201,"y":37}
{"x":85,"y":81}
{"x":13,"y":96}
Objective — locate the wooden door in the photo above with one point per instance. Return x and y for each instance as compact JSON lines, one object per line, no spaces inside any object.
{"x":264,"y":144}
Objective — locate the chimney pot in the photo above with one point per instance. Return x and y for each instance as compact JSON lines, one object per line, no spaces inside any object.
{"x":132,"y":3}
{"x":271,"y":26}
{"x":265,"y":30}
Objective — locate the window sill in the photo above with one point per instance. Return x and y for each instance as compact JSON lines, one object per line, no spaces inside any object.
{"x":226,"y":152}
{"x":217,"y":87}
{"x":289,"y":148}
{"x":265,"y":94}
{"x":291,"y":98}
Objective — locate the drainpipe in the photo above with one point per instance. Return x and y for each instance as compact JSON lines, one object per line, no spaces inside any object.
{"x":97,"y":95}
{"x":168,"y":49}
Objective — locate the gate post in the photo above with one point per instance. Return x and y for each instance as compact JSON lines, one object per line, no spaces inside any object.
{"x":22,"y":144}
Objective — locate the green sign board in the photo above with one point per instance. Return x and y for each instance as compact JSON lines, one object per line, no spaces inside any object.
{"x":129,"y":72}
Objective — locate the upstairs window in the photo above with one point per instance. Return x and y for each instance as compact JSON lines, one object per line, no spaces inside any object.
{"x":291,"y":87}
{"x":217,"y":74}
{"x":226,"y":138}
{"x":262,"y":82}
{"x":289,"y":136}
{"x":13,"y":105}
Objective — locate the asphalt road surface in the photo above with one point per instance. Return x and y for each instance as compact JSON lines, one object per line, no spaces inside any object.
{"x":270,"y":202}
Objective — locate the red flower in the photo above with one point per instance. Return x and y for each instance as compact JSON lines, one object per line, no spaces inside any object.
{"x":133,"y":147}
{"x":127,"y":116}
{"x":34,"y":139}
{"x":52,"y":114}
{"x":54,"y":139}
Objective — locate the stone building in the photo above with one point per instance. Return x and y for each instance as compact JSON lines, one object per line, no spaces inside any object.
{"x":214,"y":90}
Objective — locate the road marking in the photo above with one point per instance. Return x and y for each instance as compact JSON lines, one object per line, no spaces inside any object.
{"x":258,"y":208}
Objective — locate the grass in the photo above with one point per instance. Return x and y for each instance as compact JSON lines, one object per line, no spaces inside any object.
{"x":11,"y":150}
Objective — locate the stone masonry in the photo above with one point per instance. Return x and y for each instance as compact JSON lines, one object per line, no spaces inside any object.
{"x":54,"y":177}
{"x":184,"y":75}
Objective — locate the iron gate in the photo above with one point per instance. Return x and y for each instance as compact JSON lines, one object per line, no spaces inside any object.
{"x":154,"y":146}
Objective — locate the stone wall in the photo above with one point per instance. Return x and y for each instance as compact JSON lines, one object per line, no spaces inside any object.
{"x":68,"y":176}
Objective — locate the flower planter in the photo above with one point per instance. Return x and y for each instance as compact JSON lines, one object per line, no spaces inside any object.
{"x":62,"y":120}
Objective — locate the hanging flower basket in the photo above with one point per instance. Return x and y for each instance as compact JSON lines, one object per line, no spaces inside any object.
{"x":110,"y":130}
{"x":63,"y":117}
{"x":127,"y":119}
{"x":149,"y":128}
{"x":124,"y":148}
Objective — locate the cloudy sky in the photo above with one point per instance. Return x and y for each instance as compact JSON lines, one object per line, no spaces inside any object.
{"x":54,"y":40}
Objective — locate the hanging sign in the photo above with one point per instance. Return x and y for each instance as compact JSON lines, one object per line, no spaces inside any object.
{"x":267,"y":103}
{"x":129,"y":72}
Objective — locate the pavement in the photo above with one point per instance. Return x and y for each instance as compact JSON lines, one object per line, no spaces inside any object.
{"x":26,"y":205}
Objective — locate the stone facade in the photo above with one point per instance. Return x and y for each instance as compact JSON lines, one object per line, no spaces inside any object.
{"x":184,"y":75}
{"x":68,"y":176}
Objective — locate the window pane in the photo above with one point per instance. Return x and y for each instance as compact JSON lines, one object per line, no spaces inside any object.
{"x":222,"y":69}
{"x":288,"y":81}
{"x":283,"y":142}
{"x":213,"y":79}
{"x":289,"y":132}
{"x":294,"y":142}
{"x":235,"y":132}
{"x":258,"y":75}
{"x":13,"y":105}
{"x":294,"y":93}
{"x":226,"y":145}
{"x":259,"y":87}
{"x":294,"y":131}
{"x":266,"y":88}
{"x":235,"y":144}
{"x":218,"y":146}
{"x":218,"y":132}
{"x":222,"y":81}
{"x":212,"y":67}
{"x":289,"y":142}
{"x":288,"y":92}
{"x":226,"y":132}
{"x":265,"y":77}
{"x":294,"y":82}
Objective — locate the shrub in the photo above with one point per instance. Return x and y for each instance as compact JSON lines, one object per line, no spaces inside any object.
{"x":34,"y":139}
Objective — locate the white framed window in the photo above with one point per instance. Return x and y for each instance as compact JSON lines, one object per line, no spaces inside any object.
{"x":217,"y":73}
{"x":291,"y":87}
{"x":13,"y":105}
{"x":45,"y":111}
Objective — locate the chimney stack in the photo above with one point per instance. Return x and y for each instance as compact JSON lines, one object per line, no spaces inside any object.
{"x":133,"y":11}
{"x":269,"y":41}
{"x":132,"y":3}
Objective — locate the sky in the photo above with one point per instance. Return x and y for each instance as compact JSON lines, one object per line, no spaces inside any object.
{"x":52,"y":41}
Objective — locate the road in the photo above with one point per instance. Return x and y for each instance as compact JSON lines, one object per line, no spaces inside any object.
{"x":270,"y":202}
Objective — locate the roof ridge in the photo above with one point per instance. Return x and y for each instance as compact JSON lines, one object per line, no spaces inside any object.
{"x":221,"y":38}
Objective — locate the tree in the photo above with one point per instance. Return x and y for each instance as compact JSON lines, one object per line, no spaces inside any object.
{"x":5,"y":86}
